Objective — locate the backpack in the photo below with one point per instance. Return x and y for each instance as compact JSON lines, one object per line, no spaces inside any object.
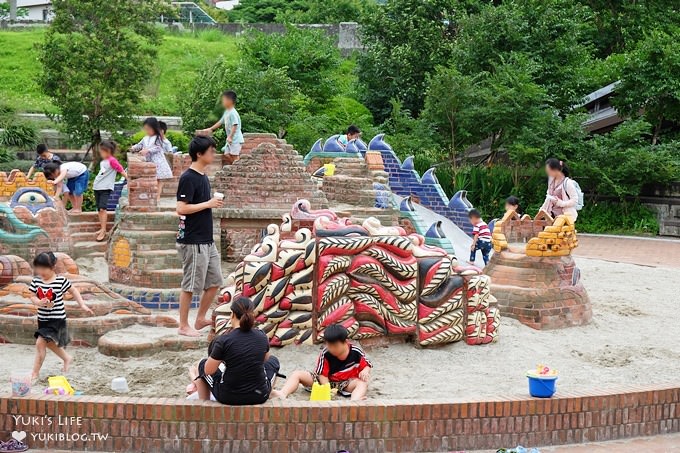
{"x":580,"y":202}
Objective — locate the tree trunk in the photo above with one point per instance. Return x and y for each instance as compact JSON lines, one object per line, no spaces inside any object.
{"x":94,"y":148}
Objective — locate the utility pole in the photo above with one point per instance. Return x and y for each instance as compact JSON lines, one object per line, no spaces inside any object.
{"x":12,"y":10}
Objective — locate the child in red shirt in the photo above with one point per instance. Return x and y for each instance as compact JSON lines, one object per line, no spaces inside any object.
{"x":341,"y":363}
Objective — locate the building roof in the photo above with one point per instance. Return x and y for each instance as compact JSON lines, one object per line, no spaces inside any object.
{"x":597,"y":94}
{"x":29,"y":3}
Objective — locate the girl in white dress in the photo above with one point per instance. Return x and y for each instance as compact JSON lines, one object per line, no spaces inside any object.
{"x":151,"y":147}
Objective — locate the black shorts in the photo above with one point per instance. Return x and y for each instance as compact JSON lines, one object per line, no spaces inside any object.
{"x":222,"y":394}
{"x":101,"y":199}
{"x":53,"y":330}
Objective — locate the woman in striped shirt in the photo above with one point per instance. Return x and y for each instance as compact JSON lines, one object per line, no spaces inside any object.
{"x":48,"y":291}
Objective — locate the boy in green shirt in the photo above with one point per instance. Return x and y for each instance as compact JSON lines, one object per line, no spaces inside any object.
{"x":232,"y":125}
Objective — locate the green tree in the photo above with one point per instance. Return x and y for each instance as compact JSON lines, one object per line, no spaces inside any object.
{"x":650,"y":81}
{"x":309,"y":57}
{"x":97,"y":58}
{"x":451,"y":106}
{"x":267,"y":98}
{"x":297,"y":11}
{"x":404,"y":40}
{"x":264,"y":11}
{"x":622,"y":23}
{"x":621,"y":162}
{"x":324,"y":12}
{"x":554,"y":35}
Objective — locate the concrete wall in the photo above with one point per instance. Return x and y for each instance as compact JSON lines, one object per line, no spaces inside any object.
{"x":665,"y":201}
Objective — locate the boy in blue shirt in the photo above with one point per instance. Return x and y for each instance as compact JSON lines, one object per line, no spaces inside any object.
{"x":231,"y":121}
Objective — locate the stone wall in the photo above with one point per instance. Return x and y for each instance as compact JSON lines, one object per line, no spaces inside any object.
{"x":177,"y":425}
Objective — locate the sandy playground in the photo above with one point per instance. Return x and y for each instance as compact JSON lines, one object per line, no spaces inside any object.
{"x":633,"y":339}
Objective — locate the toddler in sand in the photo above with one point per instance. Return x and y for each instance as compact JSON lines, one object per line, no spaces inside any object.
{"x":341,"y":363}
{"x":48,"y":291}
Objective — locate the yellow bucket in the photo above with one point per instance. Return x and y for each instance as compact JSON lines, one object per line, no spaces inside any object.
{"x":320,"y":392}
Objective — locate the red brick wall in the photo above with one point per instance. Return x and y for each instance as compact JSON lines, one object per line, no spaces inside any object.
{"x":170,"y":425}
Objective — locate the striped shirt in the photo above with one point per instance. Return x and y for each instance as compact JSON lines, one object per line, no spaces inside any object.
{"x":337,"y":370}
{"x":54,"y":291}
{"x":482,"y":231}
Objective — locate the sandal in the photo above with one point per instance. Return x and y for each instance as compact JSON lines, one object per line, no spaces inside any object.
{"x":101,"y":236}
{"x":12,"y":446}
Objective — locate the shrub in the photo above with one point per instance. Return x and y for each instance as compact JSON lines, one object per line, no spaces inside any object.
{"x":617,"y":218}
{"x":9,"y":165}
{"x":19,"y":135}
{"x":266,"y":97}
{"x":309,"y":57}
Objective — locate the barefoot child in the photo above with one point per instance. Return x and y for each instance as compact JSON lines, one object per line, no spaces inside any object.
{"x":73,"y":175}
{"x":104,"y":182}
{"x":151,"y":147}
{"x":48,"y":291}
{"x":481,"y":237}
{"x":341,"y":363}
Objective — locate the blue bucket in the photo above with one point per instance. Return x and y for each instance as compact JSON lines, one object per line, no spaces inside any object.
{"x":542,"y":386}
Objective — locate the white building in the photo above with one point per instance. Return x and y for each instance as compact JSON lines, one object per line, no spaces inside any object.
{"x":38,"y":10}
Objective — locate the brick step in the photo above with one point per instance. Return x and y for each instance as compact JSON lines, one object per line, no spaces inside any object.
{"x":85,"y":236}
{"x":88,"y":217}
{"x":158,"y":260}
{"x":167,"y":278}
{"x":88,"y":248}
{"x":159,"y":220}
{"x":82,"y":227}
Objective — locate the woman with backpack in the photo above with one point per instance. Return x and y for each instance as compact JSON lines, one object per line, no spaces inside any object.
{"x":564,"y":195}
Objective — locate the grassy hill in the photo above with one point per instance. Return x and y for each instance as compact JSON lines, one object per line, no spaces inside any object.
{"x":180,"y":56}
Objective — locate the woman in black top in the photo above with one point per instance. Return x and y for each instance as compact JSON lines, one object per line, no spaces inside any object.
{"x":240,"y":369}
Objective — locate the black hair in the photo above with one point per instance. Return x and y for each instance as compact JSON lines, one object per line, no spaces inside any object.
{"x":335,"y":333}
{"x":110,"y":145}
{"x":229,"y":94}
{"x":555,"y":164}
{"x":242,"y":308}
{"x":51,"y":170}
{"x":514,"y":201}
{"x":352,"y":129}
{"x":200,"y":145}
{"x":474,"y":213}
{"x":45,"y":259}
{"x":164,"y":126}
{"x":155,"y":125}
{"x":41,"y":148}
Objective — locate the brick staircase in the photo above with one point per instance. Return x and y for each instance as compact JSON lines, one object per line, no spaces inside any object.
{"x":83,"y":229}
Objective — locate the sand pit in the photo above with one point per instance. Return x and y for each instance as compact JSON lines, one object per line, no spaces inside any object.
{"x":632,"y":339}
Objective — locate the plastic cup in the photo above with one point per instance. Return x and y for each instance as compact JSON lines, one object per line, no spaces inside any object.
{"x":219,"y":195}
{"x":21,"y":382}
{"x":119,"y":385}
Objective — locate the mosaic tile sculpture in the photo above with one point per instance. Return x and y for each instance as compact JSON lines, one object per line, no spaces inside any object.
{"x":30,"y":220}
{"x":534,"y":275}
{"x":375,"y":280}
{"x":403,"y":179}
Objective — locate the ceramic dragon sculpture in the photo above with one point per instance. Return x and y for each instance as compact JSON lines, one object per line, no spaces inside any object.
{"x":374,"y":280}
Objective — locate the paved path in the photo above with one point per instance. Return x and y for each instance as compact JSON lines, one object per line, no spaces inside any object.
{"x":658,"y":444}
{"x":624,"y":249}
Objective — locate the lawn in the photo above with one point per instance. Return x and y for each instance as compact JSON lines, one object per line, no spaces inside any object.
{"x":180,"y":56}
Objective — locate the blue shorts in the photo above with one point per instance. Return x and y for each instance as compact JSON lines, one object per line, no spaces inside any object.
{"x":78,"y":185}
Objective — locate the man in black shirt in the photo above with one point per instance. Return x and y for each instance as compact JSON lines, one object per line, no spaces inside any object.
{"x":200,"y":258}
